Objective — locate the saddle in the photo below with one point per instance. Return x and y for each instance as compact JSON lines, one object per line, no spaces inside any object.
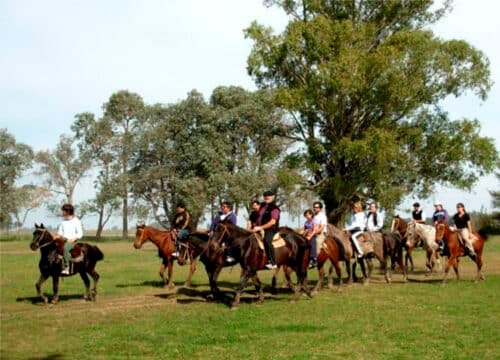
{"x":369,"y":240}
{"x":277,"y":240}
{"x":343,"y":237}
{"x":77,"y":253}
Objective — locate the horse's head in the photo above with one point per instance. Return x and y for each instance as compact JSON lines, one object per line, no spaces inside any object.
{"x":140,"y":236}
{"x":441,"y":227}
{"x":222,"y":232}
{"x":399,"y":225}
{"x":40,"y":236}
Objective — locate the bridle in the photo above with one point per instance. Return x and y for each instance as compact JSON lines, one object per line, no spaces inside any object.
{"x":40,"y":237}
{"x":187,"y":255}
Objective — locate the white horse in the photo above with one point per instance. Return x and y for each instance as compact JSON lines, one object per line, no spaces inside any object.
{"x":427,"y":234}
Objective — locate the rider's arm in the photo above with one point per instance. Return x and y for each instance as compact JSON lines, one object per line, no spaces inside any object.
{"x":187,"y":218}
{"x":249,"y":225}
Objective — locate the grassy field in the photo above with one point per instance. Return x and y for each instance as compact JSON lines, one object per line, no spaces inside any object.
{"x":134,"y":317}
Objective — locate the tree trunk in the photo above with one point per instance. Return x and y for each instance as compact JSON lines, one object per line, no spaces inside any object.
{"x":125,"y":218}
{"x":99,"y":223}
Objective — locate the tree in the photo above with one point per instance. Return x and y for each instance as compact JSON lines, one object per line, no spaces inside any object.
{"x":62,"y":169}
{"x":363,"y":82}
{"x":15,"y":158}
{"x":95,"y":136}
{"x":27,"y":198}
{"x":123,"y":111}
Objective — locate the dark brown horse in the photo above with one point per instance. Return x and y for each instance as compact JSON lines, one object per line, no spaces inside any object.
{"x":454,"y":249}
{"x":51,"y":264}
{"x":294,"y":254}
{"x":166,"y":246}
{"x":401,"y":227}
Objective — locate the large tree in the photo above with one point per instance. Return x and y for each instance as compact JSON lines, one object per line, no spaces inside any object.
{"x":123,"y":112}
{"x":15,"y":158}
{"x":364,"y":83}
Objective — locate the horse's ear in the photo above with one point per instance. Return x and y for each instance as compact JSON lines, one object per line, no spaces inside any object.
{"x":36,"y":226}
{"x":41,"y":226}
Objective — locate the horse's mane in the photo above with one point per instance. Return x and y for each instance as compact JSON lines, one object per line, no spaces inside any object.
{"x":295,"y":235}
{"x":234,"y":227}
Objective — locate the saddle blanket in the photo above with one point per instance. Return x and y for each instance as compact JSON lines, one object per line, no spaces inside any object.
{"x":277,"y":240}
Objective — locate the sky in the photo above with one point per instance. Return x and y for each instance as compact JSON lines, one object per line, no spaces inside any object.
{"x":60,"y":58}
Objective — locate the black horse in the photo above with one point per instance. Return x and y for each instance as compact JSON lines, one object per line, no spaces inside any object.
{"x":294,"y":253}
{"x":51,"y":263}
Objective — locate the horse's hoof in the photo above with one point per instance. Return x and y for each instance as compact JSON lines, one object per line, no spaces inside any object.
{"x":314,"y":292}
{"x":234,"y":307}
{"x":53,"y":301}
{"x":186,"y":286}
{"x":330,"y":286}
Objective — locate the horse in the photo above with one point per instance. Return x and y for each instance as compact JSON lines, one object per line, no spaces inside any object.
{"x":166,"y":246}
{"x":401,"y":227}
{"x":384,"y":245}
{"x":427,"y":235}
{"x":191,"y":247}
{"x":294,"y":253}
{"x":454,"y":249}
{"x":51,"y":263}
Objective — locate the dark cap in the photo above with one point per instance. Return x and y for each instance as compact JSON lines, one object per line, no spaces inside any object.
{"x":269,"y":193}
{"x":416,"y":204}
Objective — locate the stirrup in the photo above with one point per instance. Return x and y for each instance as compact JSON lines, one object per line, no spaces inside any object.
{"x":65,"y":271}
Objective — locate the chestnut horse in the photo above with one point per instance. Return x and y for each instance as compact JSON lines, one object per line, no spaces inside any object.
{"x":51,"y":264}
{"x":454,"y":249}
{"x":166,"y":246}
{"x":246,"y":250}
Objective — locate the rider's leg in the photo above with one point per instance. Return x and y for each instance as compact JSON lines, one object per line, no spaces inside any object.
{"x":467,"y":240}
{"x":268,"y":245}
{"x":355,"y":241}
{"x":67,"y":257}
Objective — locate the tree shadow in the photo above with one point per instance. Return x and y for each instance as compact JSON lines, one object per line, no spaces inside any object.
{"x":48,"y":357}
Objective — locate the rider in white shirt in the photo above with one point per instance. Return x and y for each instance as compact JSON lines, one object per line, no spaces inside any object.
{"x":356,"y":226}
{"x":374,"y":220}
{"x":69,"y":231}
{"x":321,"y":229}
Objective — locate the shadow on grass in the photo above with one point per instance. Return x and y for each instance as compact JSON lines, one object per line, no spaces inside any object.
{"x":49,"y":357}
{"x":149,"y":283}
{"x":36,"y":299}
{"x":431,"y":281}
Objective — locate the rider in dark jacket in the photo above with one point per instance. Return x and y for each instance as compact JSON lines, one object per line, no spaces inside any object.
{"x":269,"y":217}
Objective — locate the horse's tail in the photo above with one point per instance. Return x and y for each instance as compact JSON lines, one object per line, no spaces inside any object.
{"x":94,"y":253}
{"x":483,"y":234}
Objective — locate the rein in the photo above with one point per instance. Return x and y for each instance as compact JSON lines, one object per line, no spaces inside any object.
{"x":40,"y":238}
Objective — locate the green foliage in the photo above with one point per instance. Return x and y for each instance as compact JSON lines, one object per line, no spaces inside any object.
{"x":15,"y":158}
{"x":363,"y":82}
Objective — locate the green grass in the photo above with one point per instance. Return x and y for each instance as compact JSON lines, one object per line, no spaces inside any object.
{"x":135,"y":317}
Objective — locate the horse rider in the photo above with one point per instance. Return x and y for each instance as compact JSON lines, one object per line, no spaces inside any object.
{"x":68,"y":233}
{"x":268,"y":220}
{"x":464,"y":227}
{"x":417,"y":215}
{"x":440,"y":214}
{"x":309,"y":232}
{"x":181,"y":225}
{"x":226,"y":213}
{"x":374,"y":219}
{"x":254,"y":215}
{"x":356,"y":226}
{"x":321,"y":228}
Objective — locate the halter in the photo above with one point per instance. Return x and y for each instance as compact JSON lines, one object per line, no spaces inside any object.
{"x":186,"y":245}
{"x":224,"y":232}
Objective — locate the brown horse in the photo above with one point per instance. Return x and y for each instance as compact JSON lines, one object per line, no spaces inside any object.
{"x":294,"y":254}
{"x":166,"y":246}
{"x":401,"y":227}
{"x":454,"y":249}
{"x":50,"y":264}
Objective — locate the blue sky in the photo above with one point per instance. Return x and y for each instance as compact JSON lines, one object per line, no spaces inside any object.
{"x":60,"y":58}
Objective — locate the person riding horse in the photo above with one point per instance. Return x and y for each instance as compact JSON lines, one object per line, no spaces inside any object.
{"x":464,"y":227}
{"x":417,"y":215}
{"x":356,"y":226}
{"x":226,"y":213}
{"x":268,"y":220}
{"x":254,"y":215}
{"x":440,"y":214}
{"x":69,"y":232}
{"x":181,"y":225}
{"x":374,"y":219}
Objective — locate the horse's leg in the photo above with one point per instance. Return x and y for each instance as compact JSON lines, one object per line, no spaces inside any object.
{"x":241,"y":287}
{"x":38,"y":286}
{"x":387,"y":270}
{"x":274,"y":282}
{"x":339,"y":274}
{"x":95,"y":276}
{"x":55,"y":288}
{"x":399,"y":260}
{"x":354,"y":264}
{"x":321,"y":274}
{"x":86,"y":281}
{"x":287,"y":272}
{"x":162,"y":272}
{"x":170,"y":267}
{"x":258,"y":288}
{"x":349,"y":271}
{"x":192,"y":269}
{"x":447,"y":268}
{"x":455,"y":267}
